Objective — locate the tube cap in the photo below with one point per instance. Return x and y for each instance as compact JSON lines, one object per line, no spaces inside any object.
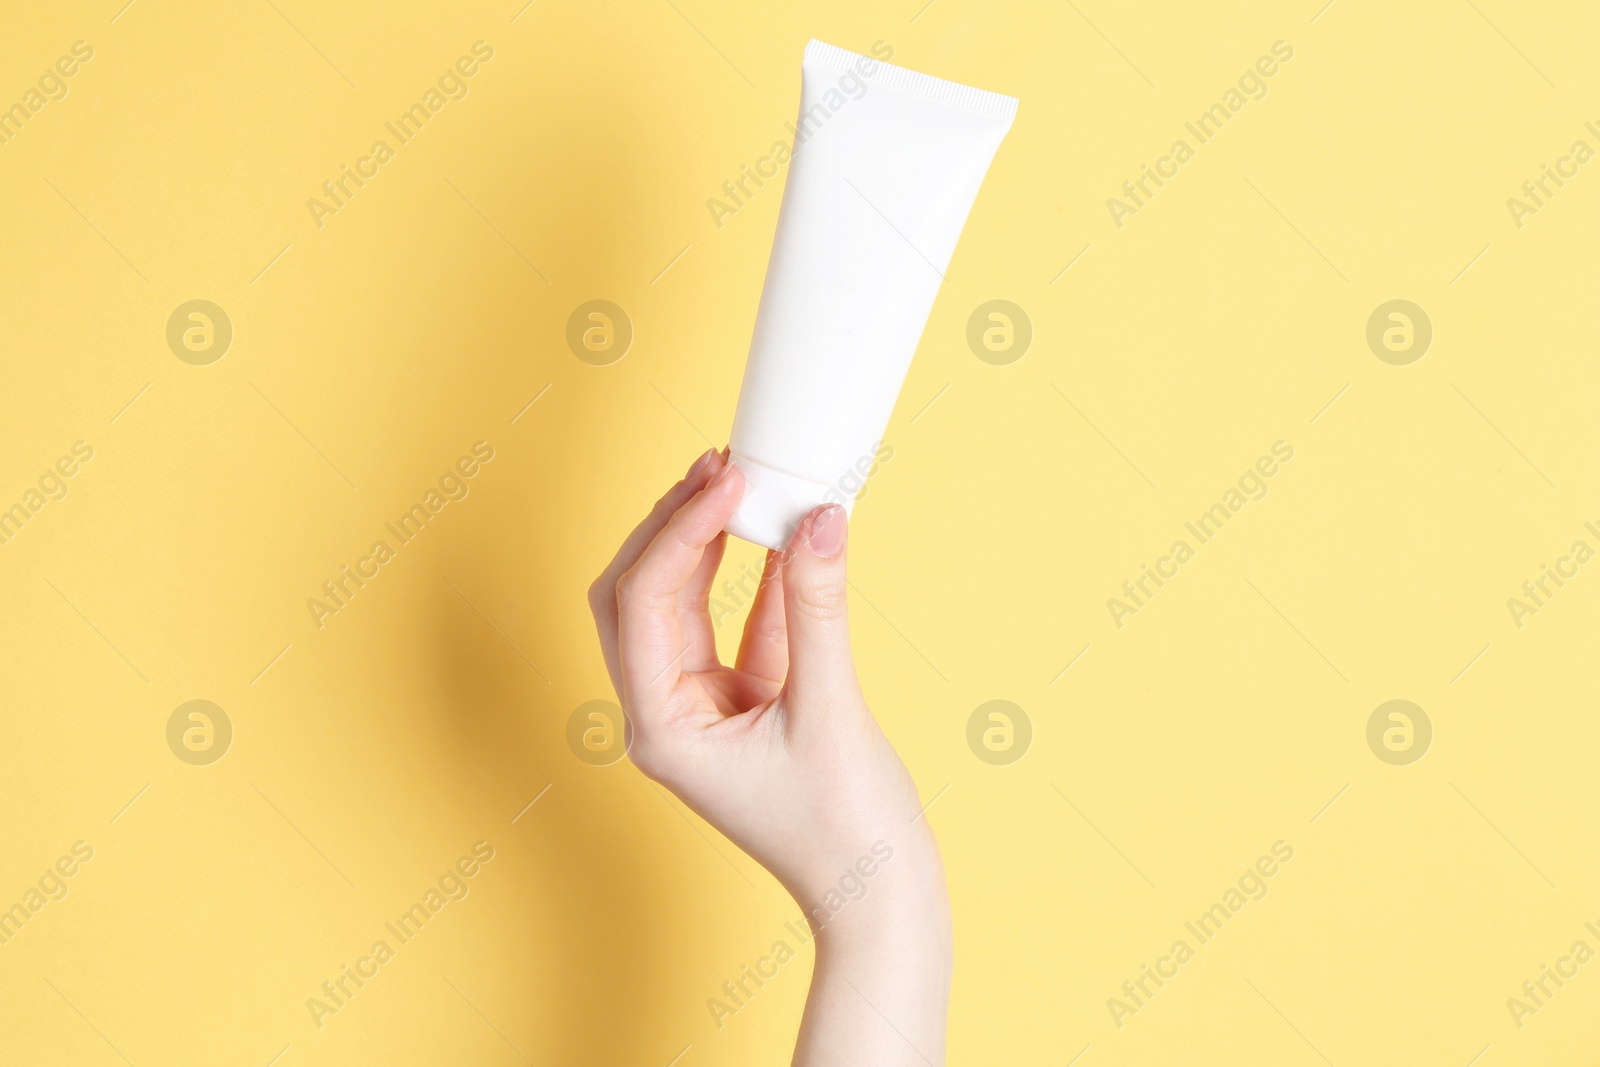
{"x":775,"y":502}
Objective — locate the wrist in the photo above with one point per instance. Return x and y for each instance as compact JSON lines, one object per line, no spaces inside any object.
{"x":896,"y":904}
{"x":887,"y":959}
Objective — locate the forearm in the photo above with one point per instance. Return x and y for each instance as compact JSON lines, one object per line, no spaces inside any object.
{"x":881,"y":987}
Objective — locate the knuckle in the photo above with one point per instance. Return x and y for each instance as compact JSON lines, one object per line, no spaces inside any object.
{"x":671,"y":504}
{"x":668,"y":502}
{"x":820,"y":598}
{"x":642,"y":586}
{"x":627,"y":588}
{"x":772,"y":633}
{"x":602,"y":594}
{"x":685,"y":528}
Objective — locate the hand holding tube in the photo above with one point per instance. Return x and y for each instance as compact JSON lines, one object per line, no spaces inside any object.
{"x":781,"y":754}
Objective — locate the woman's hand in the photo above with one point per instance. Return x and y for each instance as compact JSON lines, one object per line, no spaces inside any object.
{"x":781,"y":754}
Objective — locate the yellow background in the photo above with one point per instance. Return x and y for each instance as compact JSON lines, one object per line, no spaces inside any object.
{"x":370,"y":353}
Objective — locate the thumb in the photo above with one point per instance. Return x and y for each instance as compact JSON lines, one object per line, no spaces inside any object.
{"x":814,"y":599}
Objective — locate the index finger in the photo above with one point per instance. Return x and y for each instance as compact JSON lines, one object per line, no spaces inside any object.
{"x":651,"y":641}
{"x":603,"y":592}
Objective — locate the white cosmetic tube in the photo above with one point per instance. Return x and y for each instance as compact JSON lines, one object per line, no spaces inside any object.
{"x":886,"y":165}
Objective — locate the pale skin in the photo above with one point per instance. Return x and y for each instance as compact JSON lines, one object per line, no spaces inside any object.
{"x":782,"y":755}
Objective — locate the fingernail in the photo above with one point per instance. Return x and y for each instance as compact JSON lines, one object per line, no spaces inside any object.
{"x":700,"y":464}
{"x":722,"y":475}
{"x":827,"y":531}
